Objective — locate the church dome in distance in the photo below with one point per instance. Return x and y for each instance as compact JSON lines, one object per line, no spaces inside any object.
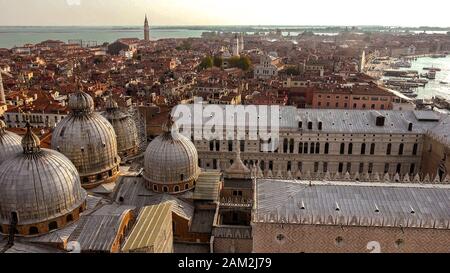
{"x":40,"y":190}
{"x":10,"y":143}
{"x":125,"y":128}
{"x":89,"y":141}
{"x":171,"y":162}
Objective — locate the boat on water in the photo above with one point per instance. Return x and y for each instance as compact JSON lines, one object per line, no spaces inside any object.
{"x":441,"y":102}
{"x":431,"y":75}
{"x":443,"y":82}
{"x":432,"y":68}
{"x":411,"y":95}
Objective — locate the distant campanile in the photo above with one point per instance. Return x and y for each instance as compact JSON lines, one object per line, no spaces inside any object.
{"x":146,"y":30}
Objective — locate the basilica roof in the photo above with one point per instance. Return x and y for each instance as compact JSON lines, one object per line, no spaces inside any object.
{"x":38,"y":184}
{"x":10,"y":143}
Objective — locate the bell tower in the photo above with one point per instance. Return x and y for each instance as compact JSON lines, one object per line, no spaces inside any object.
{"x":146,"y":29}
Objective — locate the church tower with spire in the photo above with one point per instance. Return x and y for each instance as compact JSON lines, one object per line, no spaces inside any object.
{"x":146,"y":29}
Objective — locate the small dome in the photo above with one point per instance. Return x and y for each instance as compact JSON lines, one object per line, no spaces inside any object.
{"x":10,"y":143}
{"x":89,"y":141}
{"x":81,"y":102}
{"x":171,"y":162}
{"x":125,"y":128}
{"x":40,"y":190}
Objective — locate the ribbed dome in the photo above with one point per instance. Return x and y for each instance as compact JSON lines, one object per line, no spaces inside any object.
{"x":38,"y":186}
{"x":81,"y":102}
{"x":89,"y":141}
{"x":125,"y":129}
{"x":10,"y":143}
{"x":171,"y":160}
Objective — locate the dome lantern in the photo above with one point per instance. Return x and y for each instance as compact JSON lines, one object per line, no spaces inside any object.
{"x":30,"y":142}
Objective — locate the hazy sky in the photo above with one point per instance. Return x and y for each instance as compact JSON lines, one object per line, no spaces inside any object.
{"x":225,"y":12}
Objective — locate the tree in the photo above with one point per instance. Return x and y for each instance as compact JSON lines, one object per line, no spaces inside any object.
{"x":243,"y":63}
{"x":207,"y":62}
{"x":218,"y":61}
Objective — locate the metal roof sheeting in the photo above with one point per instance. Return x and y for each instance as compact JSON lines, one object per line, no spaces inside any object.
{"x":148,"y":227}
{"x":207,"y":186}
{"x":333,"y":120}
{"x":335,"y":203}
{"x":98,"y":231}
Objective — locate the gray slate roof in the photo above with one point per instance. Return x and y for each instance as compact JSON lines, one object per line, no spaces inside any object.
{"x":352,"y":204}
{"x":343,"y":121}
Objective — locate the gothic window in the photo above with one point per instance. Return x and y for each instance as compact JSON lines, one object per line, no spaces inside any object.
{"x":300,"y":148}
{"x":415,"y":147}
{"x":350,"y":148}
{"x":363,"y":148}
{"x":317,"y":148}
{"x":372,"y":148}
{"x":342,"y":151}
{"x":400,"y":149}
{"x":327,"y":148}
{"x":389,"y":148}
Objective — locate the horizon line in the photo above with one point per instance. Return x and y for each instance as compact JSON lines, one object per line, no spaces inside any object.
{"x":231,"y":25}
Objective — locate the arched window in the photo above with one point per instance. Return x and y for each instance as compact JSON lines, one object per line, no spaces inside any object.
{"x":33,"y":231}
{"x":177,"y":188}
{"x":165,"y":189}
{"x":372,"y":148}
{"x":389,"y":149}
{"x":350,"y":148}
{"x":400,"y":149}
{"x":186,"y":186}
{"x":69,"y":218}
{"x":311,"y":151}
{"x":415,"y":147}
{"x":342,"y":151}
{"x":363,"y":148}
{"x":155,"y":188}
{"x":181,"y":177}
{"x":300,"y":148}
{"x":305,"y":148}
{"x":327,"y":148}
{"x":317,"y":148}
{"x":285,"y":146}
{"x":53,"y":225}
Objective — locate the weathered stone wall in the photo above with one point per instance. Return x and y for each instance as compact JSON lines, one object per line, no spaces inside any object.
{"x":336,"y":239}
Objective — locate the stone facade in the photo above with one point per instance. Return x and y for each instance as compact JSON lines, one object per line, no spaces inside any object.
{"x":286,"y":238}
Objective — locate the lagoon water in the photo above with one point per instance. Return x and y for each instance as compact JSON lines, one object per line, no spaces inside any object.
{"x":434,"y":87}
{"x":18,"y":36}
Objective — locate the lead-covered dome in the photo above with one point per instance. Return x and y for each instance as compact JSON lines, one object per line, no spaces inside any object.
{"x":89,"y":141}
{"x":171,"y":162}
{"x":40,"y":190}
{"x":9,"y":143}
{"x":125,"y":129}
